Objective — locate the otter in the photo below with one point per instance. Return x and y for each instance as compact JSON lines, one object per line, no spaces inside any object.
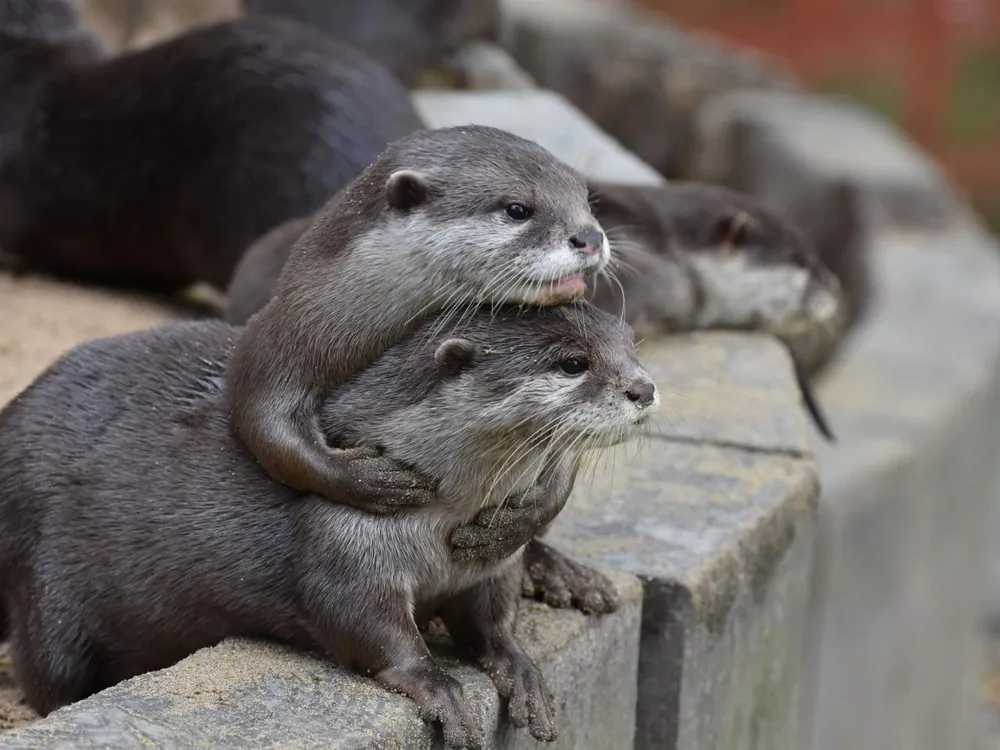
{"x":443,"y":219}
{"x":408,"y":37}
{"x":145,"y":530}
{"x":156,"y":168}
{"x":684,"y":256}
{"x":692,"y":256}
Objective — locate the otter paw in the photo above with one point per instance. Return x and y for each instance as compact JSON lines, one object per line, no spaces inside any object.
{"x":440,"y":700}
{"x":529,"y":702}
{"x":494,"y":534}
{"x":552,"y":577}
{"x":382,"y":485}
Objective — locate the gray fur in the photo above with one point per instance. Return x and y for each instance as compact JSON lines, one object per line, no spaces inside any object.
{"x":134,"y":528}
{"x":423,"y":229}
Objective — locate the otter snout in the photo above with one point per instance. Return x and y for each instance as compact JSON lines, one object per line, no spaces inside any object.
{"x":642,"y":392}
{"x":588,"y":242}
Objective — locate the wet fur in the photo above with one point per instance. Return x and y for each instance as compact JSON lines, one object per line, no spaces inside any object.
{"x":157,"y":168}
{"x":143,"y":530}
{"x":421,"y":230}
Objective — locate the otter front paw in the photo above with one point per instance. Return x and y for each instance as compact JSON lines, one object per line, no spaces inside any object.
{"x":529,"y":702}
{"x":494,"y":534}
{"x":440,"y":700}
{"x":381,"y":485}
{"x":559,"y":581}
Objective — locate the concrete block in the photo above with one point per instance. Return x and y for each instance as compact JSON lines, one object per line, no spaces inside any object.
{"x":785,"y":148}
{"x":544,"y":117}
{"x":907,"y":497}
{"x":252,"y":694}
{"x":485,"y":66}
{"x":635,"y":75}
{"x":723,"y":539}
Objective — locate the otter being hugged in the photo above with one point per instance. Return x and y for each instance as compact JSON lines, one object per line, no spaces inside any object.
{"x":145,"y":530}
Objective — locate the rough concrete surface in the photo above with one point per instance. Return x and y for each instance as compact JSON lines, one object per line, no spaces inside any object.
{"x":905,"y":506}
{"x":722,"y":537}
{"x":544,"y":117}
{"x":257,"y":695}
{"x":755,"y":139}
{"x":42,"y":318}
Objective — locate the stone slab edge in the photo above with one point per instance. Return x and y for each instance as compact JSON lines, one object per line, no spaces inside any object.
{"x":253,"y":694}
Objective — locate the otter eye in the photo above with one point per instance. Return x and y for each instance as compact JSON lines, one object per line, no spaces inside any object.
{"x":574,"y":365}
{"x":517,"y":211}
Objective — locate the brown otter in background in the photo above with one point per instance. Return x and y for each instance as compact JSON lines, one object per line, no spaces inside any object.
{"x":406,"y":36}
{"x":442,"y":220}
{"x":158,"y":168}
{"x":97,"y":587}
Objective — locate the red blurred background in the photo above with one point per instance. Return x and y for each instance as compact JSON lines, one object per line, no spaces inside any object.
{"x":930,"y":66}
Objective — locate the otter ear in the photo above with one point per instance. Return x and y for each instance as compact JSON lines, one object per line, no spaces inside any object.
{"x":455,"y":355}
{"x":735,"y":230}
{"x":406,"y":189}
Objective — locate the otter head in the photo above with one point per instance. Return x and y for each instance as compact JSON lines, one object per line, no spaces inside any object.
{"x":736,"y":265}
{"x":492,"y":217}
{"x":484,"y":405}
{"x":759,"y":272}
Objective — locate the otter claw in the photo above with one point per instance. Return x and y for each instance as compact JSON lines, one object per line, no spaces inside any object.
{"x":561,"y":582}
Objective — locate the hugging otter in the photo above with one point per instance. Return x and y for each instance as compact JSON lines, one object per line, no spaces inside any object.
{"x":442,"y":220}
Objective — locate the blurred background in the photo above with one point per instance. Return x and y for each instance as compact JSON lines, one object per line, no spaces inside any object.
{"x":932,"y":67}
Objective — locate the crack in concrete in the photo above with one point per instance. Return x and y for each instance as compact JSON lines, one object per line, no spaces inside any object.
{"x":734,"y":444}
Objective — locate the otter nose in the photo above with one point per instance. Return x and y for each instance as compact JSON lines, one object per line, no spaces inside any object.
{"x":588,"y":242}
{"x":641,"y":392}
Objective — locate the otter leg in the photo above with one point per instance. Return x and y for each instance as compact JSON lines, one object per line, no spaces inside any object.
{"x":560,"y":581}
{"x":374,"y":633}
{"x":50,"y":650}
{"x":481,"y":622}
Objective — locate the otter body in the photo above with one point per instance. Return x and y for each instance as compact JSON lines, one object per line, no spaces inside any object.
{"x":157,"y":168}
{"x":144,"y":530}
{"x":406,"y":36}
{"x":692,"y":256}
{"x":443,"y":220}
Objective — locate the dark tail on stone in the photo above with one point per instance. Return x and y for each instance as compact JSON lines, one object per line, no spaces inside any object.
{"x":813,"y":406}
